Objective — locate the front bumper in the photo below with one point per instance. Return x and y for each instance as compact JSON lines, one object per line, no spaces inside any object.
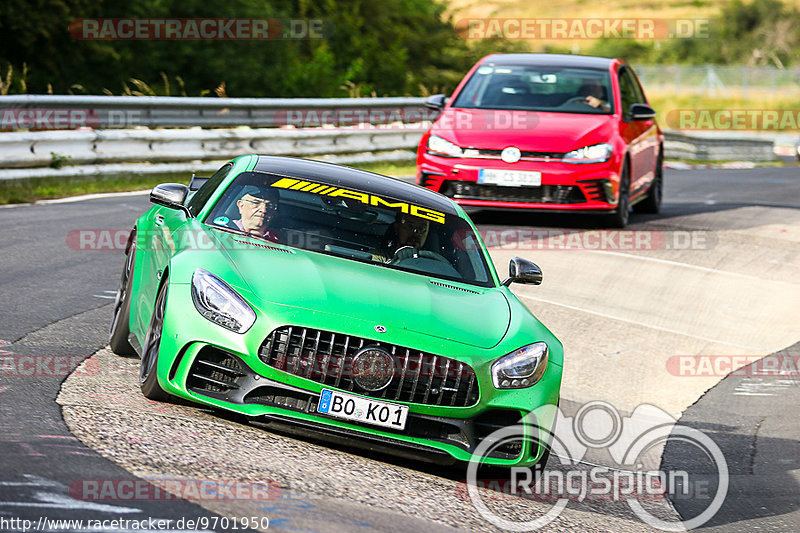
{"x":590,"y":187}
{"x":222,"y":369}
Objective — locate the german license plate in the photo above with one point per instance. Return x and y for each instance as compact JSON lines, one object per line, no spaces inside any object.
{"x":367,"y":410}
{"x":509,"y":178}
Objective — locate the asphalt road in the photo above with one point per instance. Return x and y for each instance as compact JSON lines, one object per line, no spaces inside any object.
{"x":55,"y":296}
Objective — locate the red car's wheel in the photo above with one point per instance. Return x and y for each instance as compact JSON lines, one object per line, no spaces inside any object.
{"x":619,"y":217}
{"x":652,"y":204}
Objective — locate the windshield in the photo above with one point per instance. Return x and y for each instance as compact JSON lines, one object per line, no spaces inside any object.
{"x":354,"y":225}
{"x":532,"y":88}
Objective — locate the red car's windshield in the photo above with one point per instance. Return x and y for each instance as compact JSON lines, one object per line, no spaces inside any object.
{"x":532,"y":88}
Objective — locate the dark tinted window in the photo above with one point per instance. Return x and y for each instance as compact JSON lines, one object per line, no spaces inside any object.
{"x":201,"y":196}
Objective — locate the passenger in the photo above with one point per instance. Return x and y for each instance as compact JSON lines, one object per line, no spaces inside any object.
{"x":406,"y":230}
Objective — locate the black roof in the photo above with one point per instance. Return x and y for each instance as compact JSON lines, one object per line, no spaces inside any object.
{"x":548,"y":60}
{"x":352,"y":178}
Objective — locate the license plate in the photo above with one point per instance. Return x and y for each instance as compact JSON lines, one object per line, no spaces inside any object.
{"x":509,"y":178}
{"x":351,"y":407}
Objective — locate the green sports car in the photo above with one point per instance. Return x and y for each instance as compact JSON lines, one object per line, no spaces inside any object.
{"x":337,"y":303}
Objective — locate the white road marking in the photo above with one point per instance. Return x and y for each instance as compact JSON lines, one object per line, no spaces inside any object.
{"x":689,"y":265}
{"x":643,"y":324}
{"x":106,"y":296}
{"x":57,"y":501}
{"x":83,"y":197}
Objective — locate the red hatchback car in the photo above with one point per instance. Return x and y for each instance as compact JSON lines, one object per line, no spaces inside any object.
{"x":546,"y":132}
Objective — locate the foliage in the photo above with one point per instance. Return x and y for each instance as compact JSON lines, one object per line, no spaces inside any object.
{"x":756,"y":33}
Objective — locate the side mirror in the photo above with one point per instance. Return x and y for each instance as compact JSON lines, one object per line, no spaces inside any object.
{"x":171,"y":195}
{"x":523,"y":271}
{"x":641,"y":112}
{"x":437,"y":101}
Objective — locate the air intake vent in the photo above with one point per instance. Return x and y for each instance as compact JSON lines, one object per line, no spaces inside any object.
{"x":446,"y":286}
{"x":214,"y":373}
{"x":267,"y":246}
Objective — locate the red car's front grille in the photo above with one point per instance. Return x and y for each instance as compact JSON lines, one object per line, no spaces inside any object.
{"x":524,"y":155}
{"x":327,"y":357}
{"x":545,"y":194}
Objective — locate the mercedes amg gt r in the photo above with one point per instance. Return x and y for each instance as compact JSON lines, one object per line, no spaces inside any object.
{"x":333,"y":302}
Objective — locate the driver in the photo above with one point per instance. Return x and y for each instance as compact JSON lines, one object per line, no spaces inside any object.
{"x":405,"y":231}
{"x":594,"y":91}
{"x":257,"y":209}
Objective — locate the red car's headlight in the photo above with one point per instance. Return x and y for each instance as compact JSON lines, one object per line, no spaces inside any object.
{"x":596,"y":153}
{"x":440,"y":146}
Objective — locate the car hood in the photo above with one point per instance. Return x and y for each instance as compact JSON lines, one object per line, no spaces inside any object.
{"x":388,"y":297}
{"x":527,"y":130}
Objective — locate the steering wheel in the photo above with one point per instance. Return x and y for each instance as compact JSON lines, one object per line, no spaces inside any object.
{"x":576,"y":99}
{"x":409,"y":252}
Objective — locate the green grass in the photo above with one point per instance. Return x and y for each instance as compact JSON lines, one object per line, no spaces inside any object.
{"x":30,"y":190}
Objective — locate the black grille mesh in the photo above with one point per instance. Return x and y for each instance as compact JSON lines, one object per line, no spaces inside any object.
{"x":327,"y":357}
{"x":555,"y":194}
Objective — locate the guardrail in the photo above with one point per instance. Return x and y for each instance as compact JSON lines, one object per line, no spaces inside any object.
{"x":114,"y":112}
{"x":716,"y":147}
{"x":35,"y":154}
{"x":97,"y":152}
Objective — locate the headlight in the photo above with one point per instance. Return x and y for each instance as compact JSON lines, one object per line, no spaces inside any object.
{"x":597,"y":153}
{"x":220,"y":304}
{"x":521,"y":368}
{"x":442,"y":147}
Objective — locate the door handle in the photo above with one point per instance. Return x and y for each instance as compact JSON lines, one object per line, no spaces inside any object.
{"x":159,"y":219}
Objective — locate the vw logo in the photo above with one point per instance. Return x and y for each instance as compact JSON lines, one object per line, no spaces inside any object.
{"x":380,"y":329}
{"x":510,"y":154}
{"x":373,"y":369}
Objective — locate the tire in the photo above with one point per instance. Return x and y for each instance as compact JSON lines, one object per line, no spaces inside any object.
{"x":148,"y":375}
{"x":619,"y":217}
{"x":652,"y":204}
{"x":120,"y":323}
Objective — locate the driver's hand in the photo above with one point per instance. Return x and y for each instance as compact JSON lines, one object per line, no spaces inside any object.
{"x":595,"y":102}
{"x":405,"y":252}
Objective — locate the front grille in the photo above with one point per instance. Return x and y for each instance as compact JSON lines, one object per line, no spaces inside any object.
{"x":546,"y":194}
{"x":327,"y":357}
{"x":214,"y":371}
{"x":526,"y":155}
